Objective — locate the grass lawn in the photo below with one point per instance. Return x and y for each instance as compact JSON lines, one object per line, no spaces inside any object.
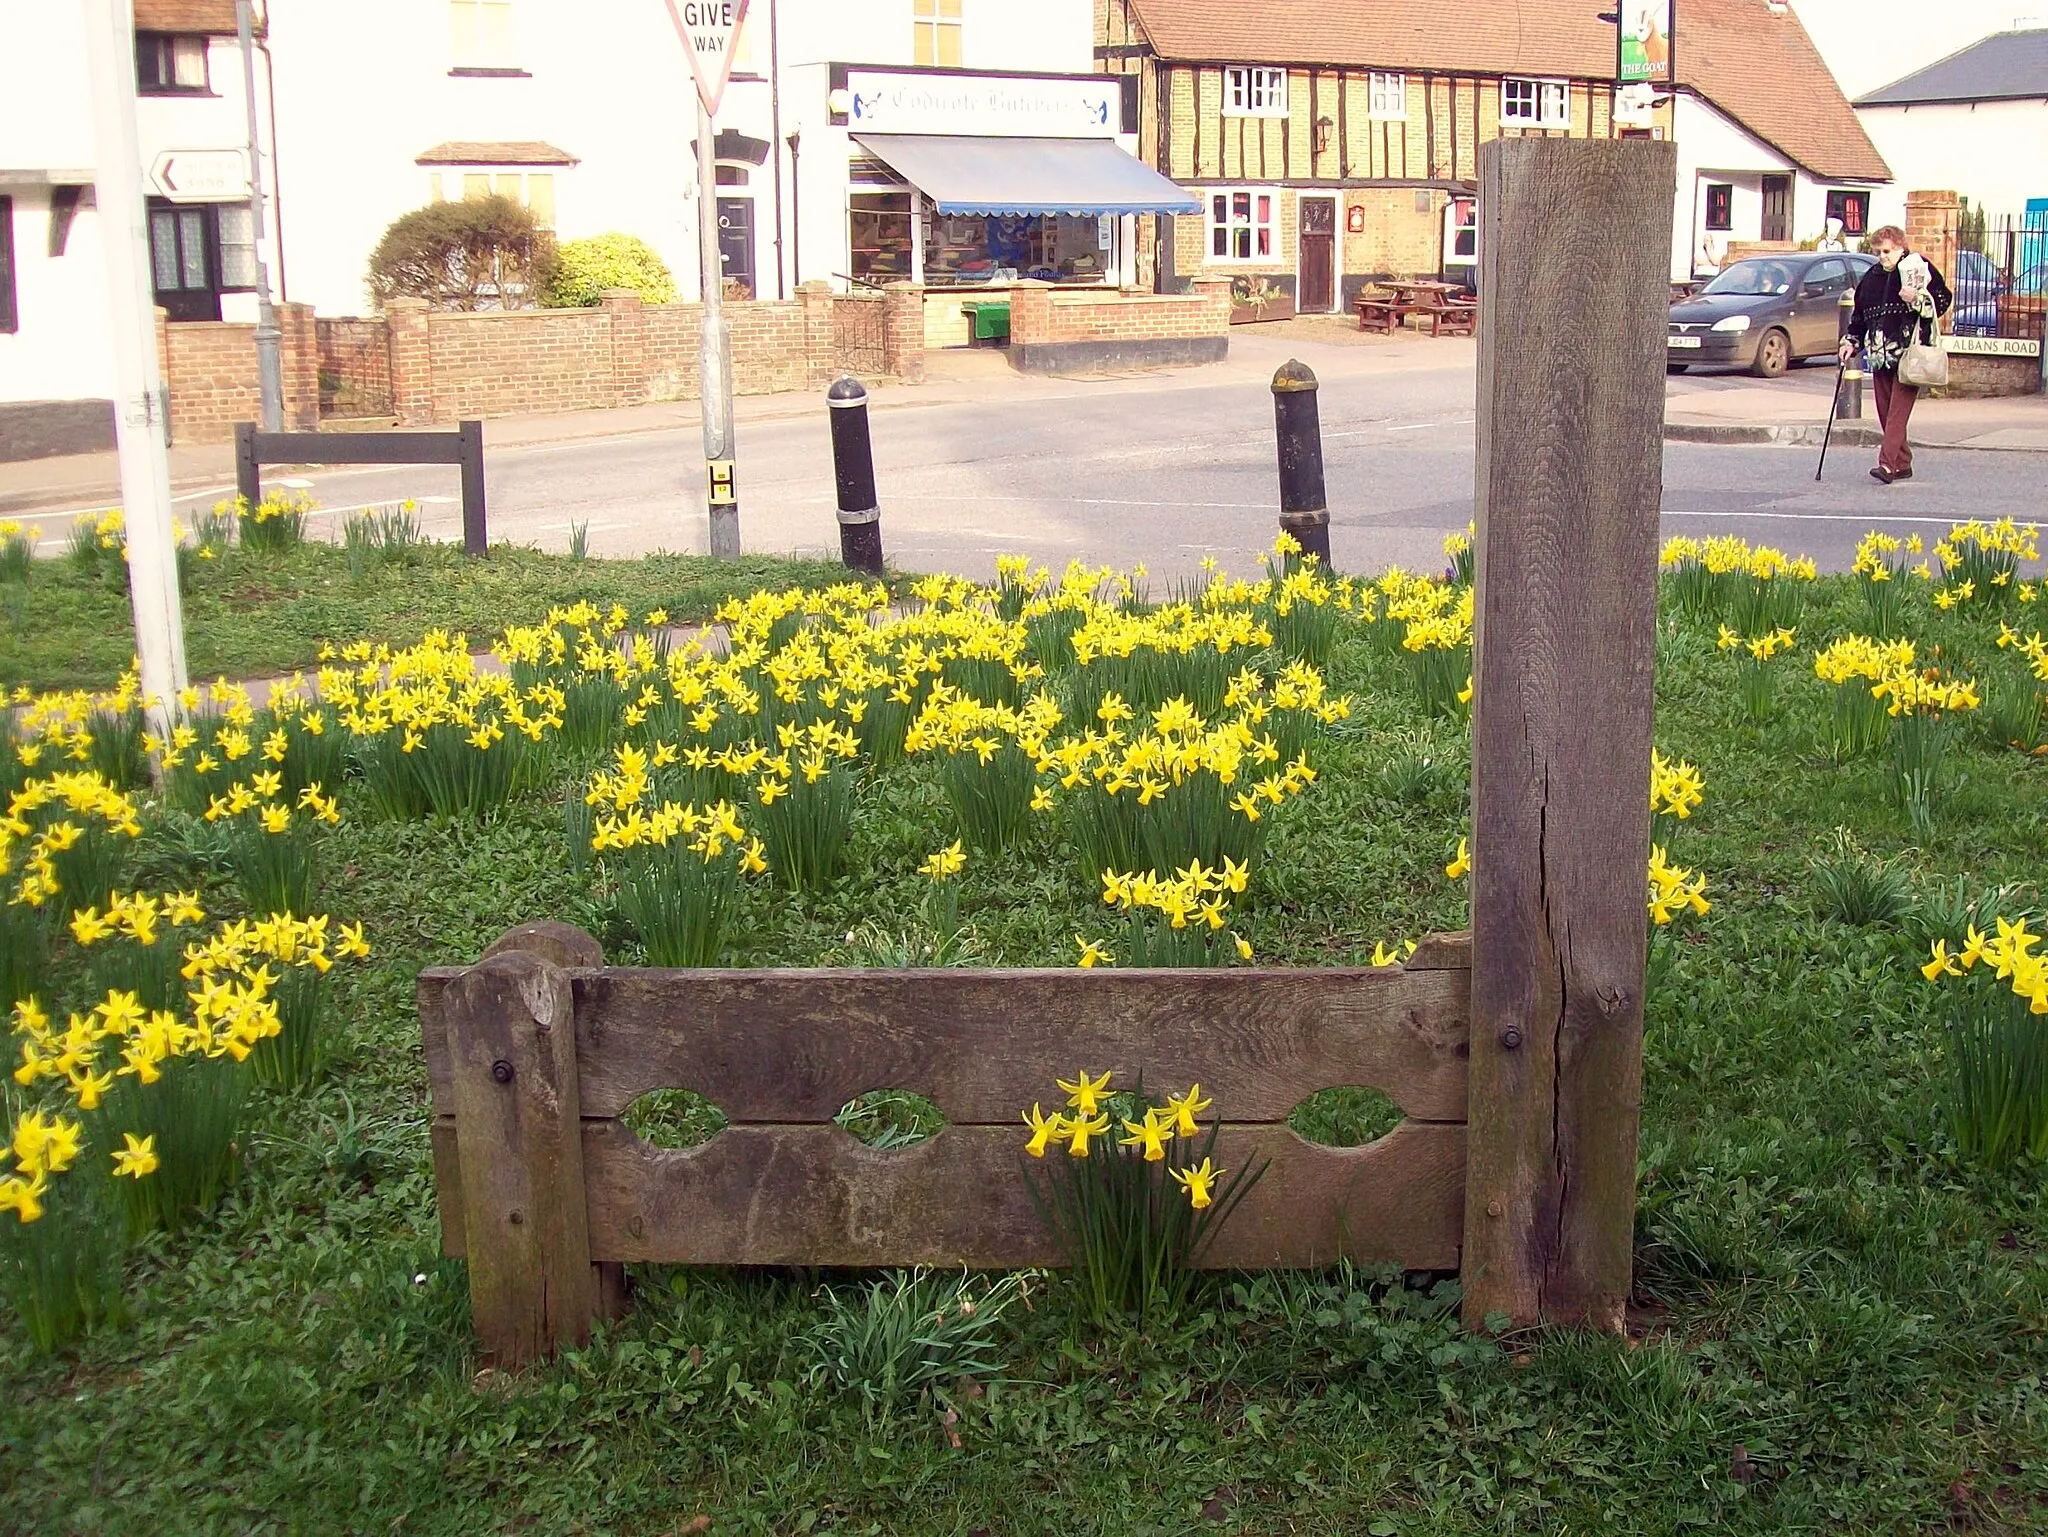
{"x":1839,"y":1323}
{"x":251,"y":614}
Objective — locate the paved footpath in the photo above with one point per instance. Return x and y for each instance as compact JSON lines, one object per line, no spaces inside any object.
{"x":1159,"y":468}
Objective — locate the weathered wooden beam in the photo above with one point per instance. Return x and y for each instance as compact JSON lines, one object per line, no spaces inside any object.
{"x":512,"y":1065}
{"x":783,"y":1046}
{"x":1574,"y":245}
{"x":813,"y":1195}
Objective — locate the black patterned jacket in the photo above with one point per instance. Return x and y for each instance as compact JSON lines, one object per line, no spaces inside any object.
{"x":1882,"y":323}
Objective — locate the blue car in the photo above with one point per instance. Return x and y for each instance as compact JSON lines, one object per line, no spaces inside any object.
{"x":1979,"y":285}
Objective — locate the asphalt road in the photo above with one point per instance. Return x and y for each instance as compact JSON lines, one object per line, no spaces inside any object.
{"x":1159,"y":470}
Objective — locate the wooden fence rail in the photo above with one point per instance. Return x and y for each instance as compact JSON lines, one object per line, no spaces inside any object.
{"x":535,"y":1052}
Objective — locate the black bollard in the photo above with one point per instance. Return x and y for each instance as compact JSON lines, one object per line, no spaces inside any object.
{"x":1304,"y":511}
{"x":1849,"y":394}
{"x":853,"y":467}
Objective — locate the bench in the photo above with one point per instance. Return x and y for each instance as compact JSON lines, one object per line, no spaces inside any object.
{"x":1379,"y":314}
{"x":1454,"y":317}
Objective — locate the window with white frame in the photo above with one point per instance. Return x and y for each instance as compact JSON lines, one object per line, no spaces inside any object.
{"x":481,"y":35}
{"x":1386,"y":95}
{"x":534,"y":189}
{"x":1254,"y":91}
{"x":1241,"y":225}
{"x":935,"y":32}
{"x":1535,"y":103}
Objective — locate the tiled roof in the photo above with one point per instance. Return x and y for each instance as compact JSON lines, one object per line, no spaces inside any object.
{"x":2006,"y":66}
{"x":214,"y":16}
{"x":479,"y":152}
{"x":1754,"y":63}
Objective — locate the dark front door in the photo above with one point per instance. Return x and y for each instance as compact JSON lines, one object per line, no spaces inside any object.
{"x":1777,"y":208}
{"x":736,"y":240}
{"x":1318,"y":294}
{"x":184,"y":259}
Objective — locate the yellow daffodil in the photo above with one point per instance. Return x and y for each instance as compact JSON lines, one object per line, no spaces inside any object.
{"x":1199,"y":1182}
{"x":1085,"y":1094}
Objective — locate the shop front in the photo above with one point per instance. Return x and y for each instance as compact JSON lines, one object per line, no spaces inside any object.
{"x":966,"y":183}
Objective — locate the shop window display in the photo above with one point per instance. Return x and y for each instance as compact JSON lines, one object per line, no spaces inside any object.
{"x":967,"y":249}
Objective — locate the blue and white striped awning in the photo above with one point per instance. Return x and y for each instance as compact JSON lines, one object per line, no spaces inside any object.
{"x":965,"y":175}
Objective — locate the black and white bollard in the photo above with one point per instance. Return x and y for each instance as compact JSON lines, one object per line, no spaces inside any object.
{"x":1849,"y":395}
{"x":853,"y":467}
{"x":1304,"y":510}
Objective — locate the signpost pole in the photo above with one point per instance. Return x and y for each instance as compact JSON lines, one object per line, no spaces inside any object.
{"x":714,"y":357}
{"x":131,"y":307}
{"x":269,"y":367}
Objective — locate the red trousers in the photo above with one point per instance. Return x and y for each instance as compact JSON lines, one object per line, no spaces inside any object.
{"x":1894,"y":410}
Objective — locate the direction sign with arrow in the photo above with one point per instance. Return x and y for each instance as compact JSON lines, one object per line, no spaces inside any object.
{"x":709,"y":30}
{"x":201,"y":175}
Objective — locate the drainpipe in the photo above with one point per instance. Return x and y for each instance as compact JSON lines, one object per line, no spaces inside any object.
{"x":796,"y":208}
{"x":284,"y":291}
{"x":775,"y":138}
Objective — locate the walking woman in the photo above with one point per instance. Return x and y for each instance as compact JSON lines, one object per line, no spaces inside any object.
{"x":1898,"y":296}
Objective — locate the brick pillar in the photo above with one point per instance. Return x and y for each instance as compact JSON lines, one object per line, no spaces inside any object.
{"x":298,"y":355}
{"x":821,"y":337}
{"x":904,"y":343}
{"x":412,"y":362}
{"x":628,"y":317}
{"x":163,"y":371}
{"x":1933,"y":221}
{"x":1030,"y":313}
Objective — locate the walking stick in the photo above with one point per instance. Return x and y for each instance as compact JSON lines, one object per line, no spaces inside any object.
{"x":1834,"y":400}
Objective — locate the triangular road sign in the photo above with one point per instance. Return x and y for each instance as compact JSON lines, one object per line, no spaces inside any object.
{"x":709,"y":30}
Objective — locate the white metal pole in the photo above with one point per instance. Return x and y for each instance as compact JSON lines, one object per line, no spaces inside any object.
{"x":714,"y":357}
{"x":139,"y":401}
{"x":269,"y":366}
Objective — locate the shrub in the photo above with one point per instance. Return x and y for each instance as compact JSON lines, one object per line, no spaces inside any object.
{"x":478,"y":254}
{"x":585,"y":268}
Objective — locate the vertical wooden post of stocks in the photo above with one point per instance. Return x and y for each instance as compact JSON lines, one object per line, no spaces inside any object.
{"x":518,"y":1129}
{"x":1574,"y":250}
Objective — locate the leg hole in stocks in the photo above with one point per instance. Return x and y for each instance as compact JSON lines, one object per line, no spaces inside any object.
{"x":673,"y":1118}
{"x":885,"y":1119}
{"x":1348,"y":1116}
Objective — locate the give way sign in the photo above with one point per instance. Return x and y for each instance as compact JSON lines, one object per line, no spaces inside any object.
{"x":709,"y":30}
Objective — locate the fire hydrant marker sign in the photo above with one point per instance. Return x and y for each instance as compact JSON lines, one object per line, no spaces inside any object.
{"x":710,"y":31}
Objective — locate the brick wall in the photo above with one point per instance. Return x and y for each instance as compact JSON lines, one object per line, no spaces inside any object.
{"x":446,"y":366}
{"x":210,"y":369}
{"x":1047,"y":316}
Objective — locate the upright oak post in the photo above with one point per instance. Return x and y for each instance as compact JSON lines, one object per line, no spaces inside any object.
{"x":1574,"y":250}
{"x":518,"y":1119}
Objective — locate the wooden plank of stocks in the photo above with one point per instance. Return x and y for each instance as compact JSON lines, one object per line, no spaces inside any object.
{"x":1575,"y":246}
{"x":793,"y":1046}
{"x":813,"y":1195}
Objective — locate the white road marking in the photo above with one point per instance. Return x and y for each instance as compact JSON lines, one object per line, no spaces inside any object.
{"x":1425,"y":426}
{"x":1816,"y":517}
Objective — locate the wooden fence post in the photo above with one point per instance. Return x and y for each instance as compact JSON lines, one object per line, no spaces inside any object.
{"x":518,"y":1126}
{"x":1575,"y":248}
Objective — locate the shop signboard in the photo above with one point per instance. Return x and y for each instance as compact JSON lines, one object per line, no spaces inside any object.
{"x":710,"y":30}
{"x":1048,"y":106}
{"x":1645,"y":51}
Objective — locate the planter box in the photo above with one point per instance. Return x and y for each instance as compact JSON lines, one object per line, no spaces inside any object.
{"x":2021,"y":314}
{"x":1279,"y":307}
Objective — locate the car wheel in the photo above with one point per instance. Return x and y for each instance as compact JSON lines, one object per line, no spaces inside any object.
{"x":1674,"y":368}
{"x":1773,"y":354}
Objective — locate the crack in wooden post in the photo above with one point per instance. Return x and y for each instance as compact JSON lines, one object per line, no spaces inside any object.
{"x":1574,"y":249}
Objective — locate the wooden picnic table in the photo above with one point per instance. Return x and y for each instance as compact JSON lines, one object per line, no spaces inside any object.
{"x":1384,"y":312}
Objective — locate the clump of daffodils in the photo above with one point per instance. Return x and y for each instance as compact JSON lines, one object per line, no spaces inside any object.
{"x":1109,"y":1202}
{"x":1995,"y":989}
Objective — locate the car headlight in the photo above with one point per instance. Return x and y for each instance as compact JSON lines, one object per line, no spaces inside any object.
{"x":1732,"y":323}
